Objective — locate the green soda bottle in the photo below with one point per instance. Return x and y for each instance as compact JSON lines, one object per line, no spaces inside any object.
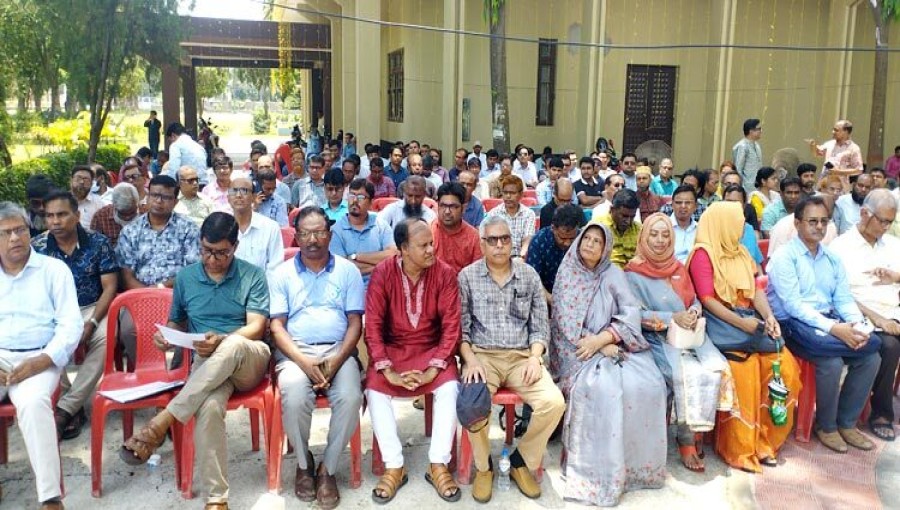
{"x":778,"y":394}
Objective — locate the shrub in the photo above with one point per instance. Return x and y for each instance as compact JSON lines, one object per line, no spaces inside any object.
{"x":261,"y":122}
{"x":57,"y":166}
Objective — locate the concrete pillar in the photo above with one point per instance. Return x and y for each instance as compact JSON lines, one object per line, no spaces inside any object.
{"x":170,"y":86}
{"x":452,"y":76}
{"x":728,"y":26}
{"x":366,"y":83}
{"x":591,"y":84}
{"x":189,"y":95}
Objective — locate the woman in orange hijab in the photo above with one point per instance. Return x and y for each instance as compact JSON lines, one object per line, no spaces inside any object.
{"x":740,"y":323}
{"x":698,"y":378}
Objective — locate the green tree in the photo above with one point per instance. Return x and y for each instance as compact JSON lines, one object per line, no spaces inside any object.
{"x":5,"y":124}
{"x":101,"y":41}
{"x":495,"y":15}
{"x":883,"y":12}
{"x":211,"y":82}
{"x":259,"y":80}
{"x":33,"y":60}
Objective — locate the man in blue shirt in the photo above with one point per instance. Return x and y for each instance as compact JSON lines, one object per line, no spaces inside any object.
{"x":335,"y":206}
{"x":810,"y":297}
{"x":551,"y":243}
{"x":474,"y":210}
{"x":93,"y":264}
{"x":226,"y":299}
{"x":360,"y":236}
{"x":317,"y":305}
{"x":684,"y":204}
{"x":268,"y":202}
{"x":846,"y":207}
{"x":394,"y":170}
{"x":791,"y":190}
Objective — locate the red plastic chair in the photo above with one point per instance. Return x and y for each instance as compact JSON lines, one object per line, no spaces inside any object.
{"x":147,"y":307}
{"x":378,"y":463}
{"x":508,"y":400}
{"x":380,"y":203}
{"x":290,"y":252}
{"x":288,"y":238}
{"x":7,"y":415}
{"x":258,"y":401}
{"x":276,"y":448}
{"x":528,"y":201}
{"x":293,"y":216}
{"x":806,"y":401}
{"x":490,"y":203}
{"x":530,"y":193}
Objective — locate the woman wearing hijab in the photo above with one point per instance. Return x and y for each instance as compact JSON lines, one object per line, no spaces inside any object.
{"x":614,"y":431}
{"x":693,"y":376}
{"x":740,"y":323}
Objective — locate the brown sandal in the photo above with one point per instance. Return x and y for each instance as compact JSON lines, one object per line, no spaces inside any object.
{"x":440,"y":478}
{"x":141,"y":446}
{"x":390,"y":483}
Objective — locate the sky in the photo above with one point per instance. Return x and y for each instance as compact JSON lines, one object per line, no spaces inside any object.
{"x":227,"y":9}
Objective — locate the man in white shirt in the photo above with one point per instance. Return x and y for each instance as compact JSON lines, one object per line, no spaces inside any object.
{"x":410,"y":206}
{"x":88,"y":203}
{"x":184,"y":151}
{"x":42,"y":327}
{"x":847,"y":207}
{"x":476,"y":153}
{"x":524,"y":168}
{"x":873,"y":272}
{"x":259,"y":238}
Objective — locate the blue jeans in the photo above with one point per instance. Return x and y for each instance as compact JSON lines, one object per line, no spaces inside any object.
{"x":837,"y":406}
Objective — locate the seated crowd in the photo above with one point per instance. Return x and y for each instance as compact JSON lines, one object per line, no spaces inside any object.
{"x":647,"y":298}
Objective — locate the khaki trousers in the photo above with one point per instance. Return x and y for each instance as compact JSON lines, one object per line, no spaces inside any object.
{"x":237,"y":364}
{"x":505,"y":368}
{"x":75,"y":394}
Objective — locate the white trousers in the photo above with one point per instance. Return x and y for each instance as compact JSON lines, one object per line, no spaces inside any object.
{"x":33,"y":399}
{"x":384,"y":424}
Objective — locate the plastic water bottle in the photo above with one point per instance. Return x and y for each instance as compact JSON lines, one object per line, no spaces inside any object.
{"x":153,"y":462}
{"x":503,"y":478}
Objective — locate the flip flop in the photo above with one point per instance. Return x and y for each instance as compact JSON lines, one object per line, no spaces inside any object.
{"x":883,"y":431}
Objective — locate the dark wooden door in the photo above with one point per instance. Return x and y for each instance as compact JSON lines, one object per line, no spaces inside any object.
{"x":649,"y":104}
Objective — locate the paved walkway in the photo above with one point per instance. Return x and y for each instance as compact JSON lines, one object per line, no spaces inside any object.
{"x":808,"y":478}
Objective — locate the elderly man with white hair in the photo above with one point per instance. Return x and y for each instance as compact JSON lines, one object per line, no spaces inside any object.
{"x":111,"y":219}
{"x":873,"y":271}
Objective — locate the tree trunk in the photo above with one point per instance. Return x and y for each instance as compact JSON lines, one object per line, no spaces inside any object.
{"x":37,"y":101}
{"x":22,"y":103}
{"x":875,"y":154}
{"x":54,"y":99}
{"x":499,"y":93}
{"x":5,"y":156}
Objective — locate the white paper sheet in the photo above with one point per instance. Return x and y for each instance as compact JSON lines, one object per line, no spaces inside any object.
{"x":139,"y":392}
{"x":180,"y":338}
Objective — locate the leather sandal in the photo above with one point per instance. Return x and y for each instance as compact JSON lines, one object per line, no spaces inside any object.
{"x":687,"y":452}
{"x":391,"y":482}
{"x":327,"y":494}
{"x":440,"y":478}
{"x":141,"y":446}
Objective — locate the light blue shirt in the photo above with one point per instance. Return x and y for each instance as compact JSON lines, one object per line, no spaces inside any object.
{"x":846,"y":213}
{"x":663,"y":189}
{"x":346,"y":240}
{"x":684,"y":239}
{"x":630,"y":181}
{"x":771,"y":214}
{"x":805,"y":288}
{"x":316,"y":304}
{"x":274,"y":208}
{"x":335,"y":213}
{"x":186,"y":152}
{"x":39,"y":309}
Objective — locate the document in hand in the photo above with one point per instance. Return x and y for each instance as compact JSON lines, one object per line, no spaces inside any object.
{"x":180,"y":338}
{"x":139,"y":392}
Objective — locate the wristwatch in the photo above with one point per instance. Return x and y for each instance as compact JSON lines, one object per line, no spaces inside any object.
{"x":94,"y":322}
{"x":353,"y":257}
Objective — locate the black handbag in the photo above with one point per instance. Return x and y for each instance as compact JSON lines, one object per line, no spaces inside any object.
{"x":736,"y":344}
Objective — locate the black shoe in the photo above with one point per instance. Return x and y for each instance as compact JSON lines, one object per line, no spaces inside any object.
{"x":62,"y":419}
{"x":73,"y":428}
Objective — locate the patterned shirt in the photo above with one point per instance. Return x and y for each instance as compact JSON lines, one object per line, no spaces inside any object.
{"x":274,"y":208}
{"x":545,"y":256}
{"x":701,"y":208}
{"x":383,"y":189}
{"x":650,"y":203}
{"x":219,"y":196}
{"x":508,"y":316}
{"x":105,"y":223}
{"x":197,"y":208}
{"x":308,"y":193}
{"x":92,"y":258}
{"x":747,"y":157}
{"x":845,"y":156}
{"x":157,"y":256}
{"x":521,"y":225}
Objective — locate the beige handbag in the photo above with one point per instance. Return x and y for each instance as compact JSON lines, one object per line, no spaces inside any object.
{"x":686,"y":338}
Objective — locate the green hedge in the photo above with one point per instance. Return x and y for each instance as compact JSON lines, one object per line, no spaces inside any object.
{"x":57,"y":166}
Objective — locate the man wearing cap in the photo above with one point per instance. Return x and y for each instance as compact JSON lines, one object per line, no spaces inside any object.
{"x":504,"y":337}
{"x":747,"y":154}
{"x":650,"y":201}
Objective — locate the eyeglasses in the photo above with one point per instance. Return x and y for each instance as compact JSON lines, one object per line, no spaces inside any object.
{"x":881,"y":221}
{"x":232,"y":192}
{"x":523,"y":153}
{"x":190,"y":181}
{"x":358,"y":198}
{"x":216,"y":254}
{"x":18,"y":231}
{"x":812,"y":222}
{"x":449,"y":207}
{"x":497,"y":240}
{"x":132,"y":177}
{"x":161,"y":197}
{"x":306,"y":235}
